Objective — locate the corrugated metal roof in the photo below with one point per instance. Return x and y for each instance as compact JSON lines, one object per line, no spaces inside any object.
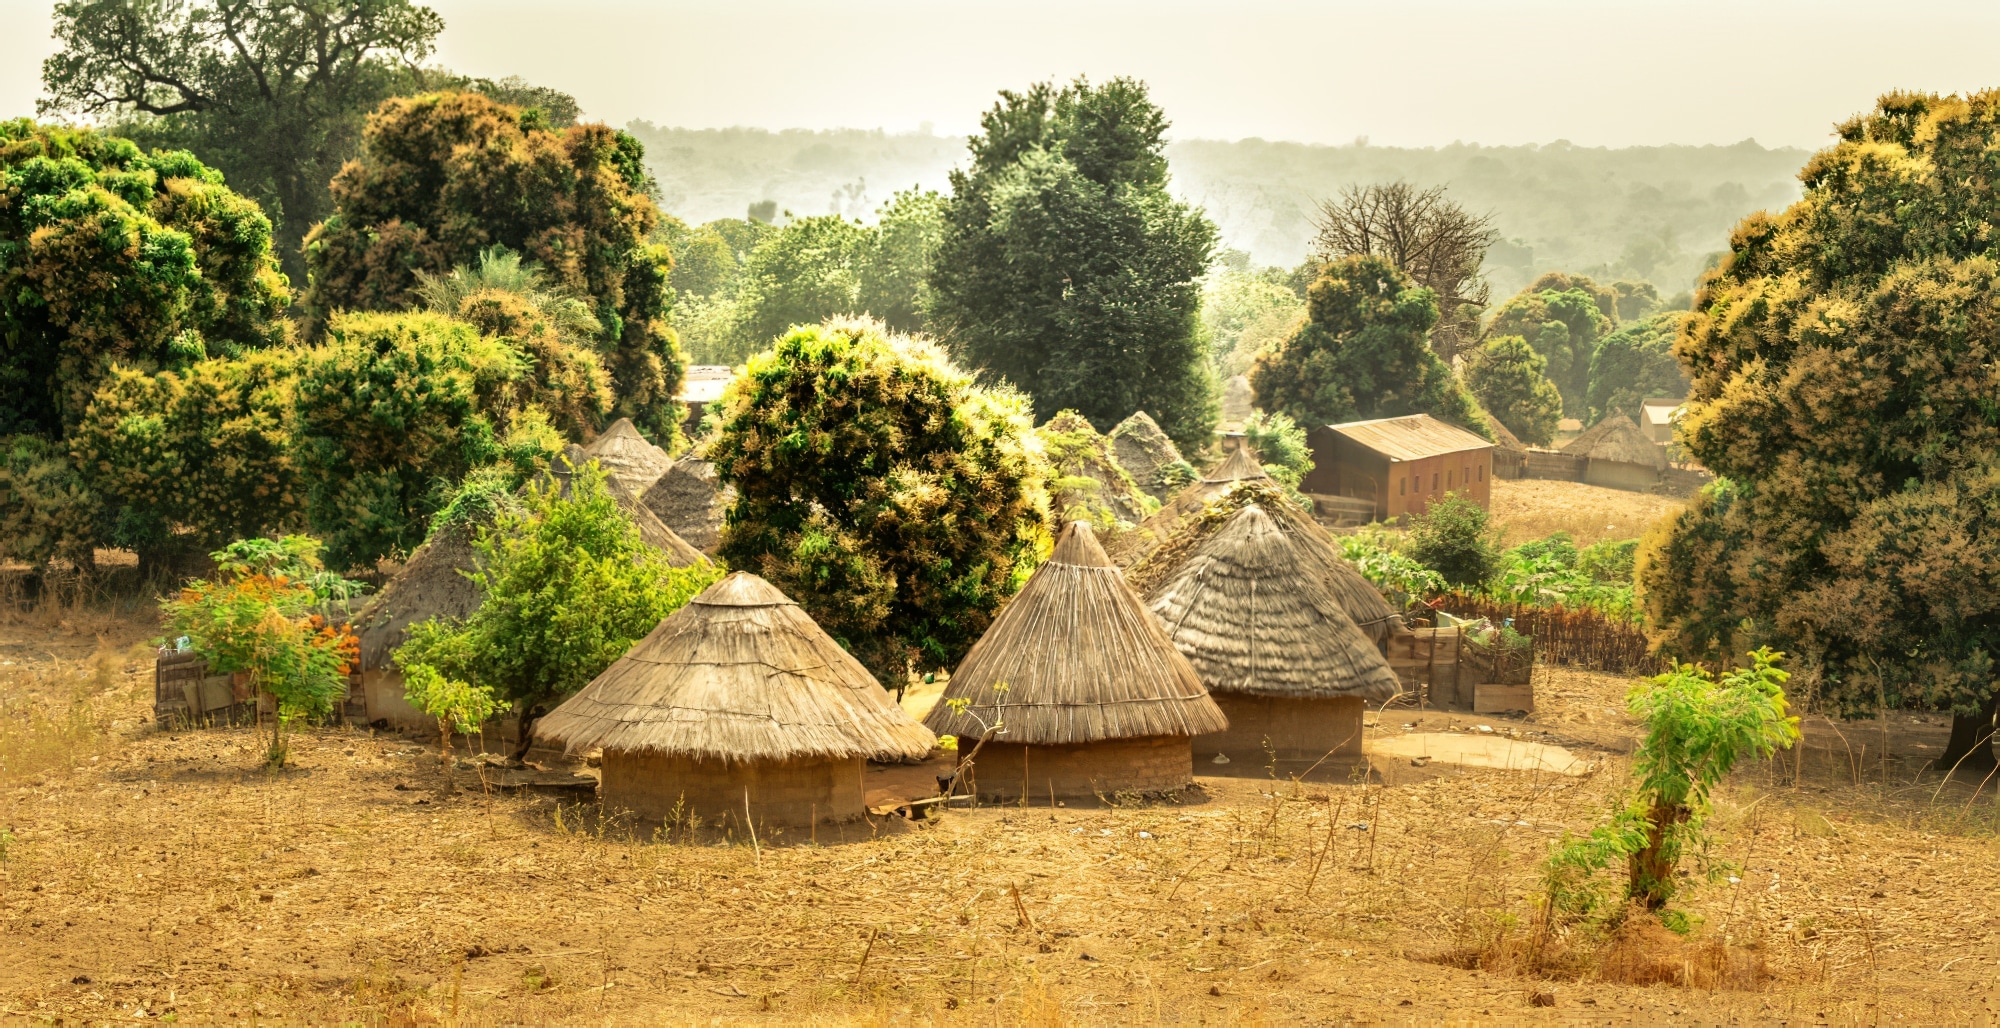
{"x":1411,"y":438}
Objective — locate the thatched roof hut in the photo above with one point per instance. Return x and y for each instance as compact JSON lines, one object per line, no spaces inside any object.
{"x":1284,"y":661}
{"x":1079,"y":673}
{"x":1504,"y":437}
{"x":1145,"y":452}
{"x":690,"y":499}
{"x":1363,"y":602}
{"x":1240,"y":466}
{"x":652,"y":531}
{"x":434,"y":582}
{"x":1619,"y":455}
{"x":1089,"y":482}
{"x":737,"y":694}
{"x":625,"y":454}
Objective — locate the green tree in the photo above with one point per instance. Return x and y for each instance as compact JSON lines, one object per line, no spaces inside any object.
{"x":1634,"y":363}
{"x":445,"y":176}
{"x":896,"y":501}
{"x":895,"y":272}
{"x":1242,"y":312}
{"x":1362,"y":353}
{"x":390,"y":414}
{"x":1698,"y":728}
{"x":1841,"y":360}
{"x":1068,"y":270}
{"x":1564,"y":327}
{"x":1452,"y":538}
{"x":273,"y":93}
{"x":802,"y":274}
{"x":1510,"y":380}
{"x":1428,"y":237}
{"x":569,"y":587}
{"x":1281,"y":447}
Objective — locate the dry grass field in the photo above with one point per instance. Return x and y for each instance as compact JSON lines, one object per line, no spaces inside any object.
{"x":151,"y":875}
{"x":1531,"y":508}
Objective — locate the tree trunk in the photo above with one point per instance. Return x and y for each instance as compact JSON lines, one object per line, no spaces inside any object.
{"x":1971,"y":747}
{"x":528,"y":719}
{"x":1650,"y":872}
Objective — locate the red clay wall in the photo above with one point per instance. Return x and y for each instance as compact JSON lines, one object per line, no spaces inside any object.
{"x":781,"y":793}
{"x":1150,"y":764}
{"x":1299,"y":729}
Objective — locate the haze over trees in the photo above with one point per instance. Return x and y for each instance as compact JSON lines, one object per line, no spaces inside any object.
{"x":1426,"y":235}
{"x":1842,"y":366}
{"x":1068,"y":270}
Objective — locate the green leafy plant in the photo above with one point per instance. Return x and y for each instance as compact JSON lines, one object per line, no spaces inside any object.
{"x":1281,"y":447}
{"x":1402,"y":580}
{"x":569,"y":588}
{"x":259,"y":615}
{"x":458,"y":705}
{"x":1452,"y":538}
{"x":1698,"y":727}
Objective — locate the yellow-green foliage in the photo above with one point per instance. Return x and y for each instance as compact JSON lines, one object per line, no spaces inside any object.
{"x":1086,"y":482}
{"x":876,"y":484}
{"x":1843,"y":363}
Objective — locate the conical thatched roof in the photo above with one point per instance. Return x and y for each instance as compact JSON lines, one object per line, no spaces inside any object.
{"x":431,"y":584}
{"x":739,"y":674}
{"x":1240,"y":466}
{"x":690,"y":500}
{"x":1089,"y":481}
{"x":1358,"y":596}
{"x":1143,"y":450}
{"x":1251,"y":613}
{"x":652,"y":531}
{"x":1082,"y":661}
{"x":625,"y":454}
{"x":1503,"y":437}
{"x":1617,"y":439}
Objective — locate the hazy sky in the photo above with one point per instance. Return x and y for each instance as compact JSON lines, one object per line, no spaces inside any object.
{"x":1596,"y":72}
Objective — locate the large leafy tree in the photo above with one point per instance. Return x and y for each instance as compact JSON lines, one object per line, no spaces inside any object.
{"x":1843,"y":360}
{"x":1363,"y":353}
{"x":445,"y":176}
{"x":1067,"y":269}
{"x":272,"y":92}
{"x":895,"y":276}
{"x":1509,"y":379}
{"x":899,"y":503}
{"x":800,"y":275}
{"x":110,"y":259}
{"x":1563,"y":325}
{"x":1633,"y":363}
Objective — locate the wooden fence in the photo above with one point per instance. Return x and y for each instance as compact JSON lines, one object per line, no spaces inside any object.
{"x":1576,"y":636}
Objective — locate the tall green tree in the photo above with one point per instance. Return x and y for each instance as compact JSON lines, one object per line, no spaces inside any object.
{"x":895,"y":275}
{"x":1068,"y":270}
{"x":1363,"y":353}
{"x":1842,"y":360}
{"x":1509,"y":379}
{"x":1633,"y":363}
{"x":445,"y":176}
{"x":1564,"y":327}
{"x":272,"y":92}
{"x":804,"y":273}
{"x":898,"y":502}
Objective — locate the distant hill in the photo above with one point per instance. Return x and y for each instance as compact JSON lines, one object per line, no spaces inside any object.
{"x":1654,"y":212}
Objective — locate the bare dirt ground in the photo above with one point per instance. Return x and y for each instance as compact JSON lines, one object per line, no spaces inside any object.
{"x":1531,"y":508}
{"x":151,"y":874}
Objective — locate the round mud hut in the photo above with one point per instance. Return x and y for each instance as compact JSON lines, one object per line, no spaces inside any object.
{"x":1275,"y":648}
{"x":737,"y":698}
{"x":1089,"y":696}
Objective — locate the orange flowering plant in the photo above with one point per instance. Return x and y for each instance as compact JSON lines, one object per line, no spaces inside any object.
{"x":262,"y":614}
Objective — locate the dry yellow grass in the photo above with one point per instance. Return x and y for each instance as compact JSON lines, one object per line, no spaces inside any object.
{"x":171,"y":874}
{"x":1531,"y":508}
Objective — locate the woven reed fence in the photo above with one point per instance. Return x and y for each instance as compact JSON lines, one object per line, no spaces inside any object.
{"x":1577,"y":636}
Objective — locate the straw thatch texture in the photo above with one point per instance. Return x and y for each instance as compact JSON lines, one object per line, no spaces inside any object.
{"x":652,"y":531}
{"x":1503,"y":437}
{"x":1089,"y":483}
{"x":1082,"y":661}
{"x":625,"y":454}
{"x":1240,"y":466}
{"x":1358,"y":596}
{"x":690,"y":499}
{"x":432,"y":583}
{"x":739,"y":674}
{"x":1618,"y":440}
{"x":1253,"y":615}
{"x":1143,"y":449}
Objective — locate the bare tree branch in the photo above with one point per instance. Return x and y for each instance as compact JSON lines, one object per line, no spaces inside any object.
{"x":1430,"y":237}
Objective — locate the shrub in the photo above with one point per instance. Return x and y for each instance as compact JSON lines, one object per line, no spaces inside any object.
{"x":1451,"y":538}
{"x":1402,"y":580}
{"x":569,"y":588}
{"x":1697,"y":729}
{"x":1281,"y":447}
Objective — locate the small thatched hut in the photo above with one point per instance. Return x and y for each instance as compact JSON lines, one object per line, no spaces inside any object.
{"x":1240,"y":466}
{"x":1618,"y":455}
{"x":1091,"y":697}
{"x":652,"y":531}
{"x":432,"y":583}
{"x":737,"y":698}
{"x":690,"y":499}
{"x":626,"y":455}
{"x":1146,"y":453}
{"x":1278,"y":652}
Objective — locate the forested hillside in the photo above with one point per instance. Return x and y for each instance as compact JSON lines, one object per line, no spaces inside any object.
{"x":1652,"y":213}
